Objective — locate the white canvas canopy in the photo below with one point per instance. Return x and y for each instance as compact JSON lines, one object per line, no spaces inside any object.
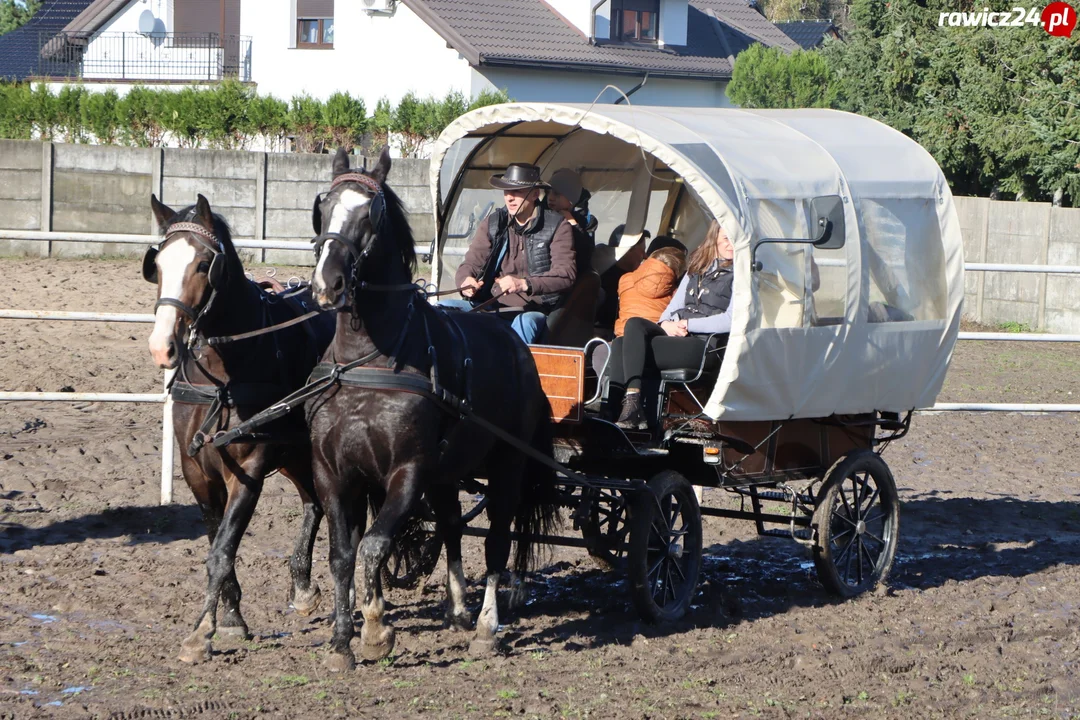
{"x":815,"y":332}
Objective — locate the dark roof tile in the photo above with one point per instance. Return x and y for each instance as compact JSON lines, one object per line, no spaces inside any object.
{"x":807,"y":33}
{"x":19,"y":48}
{"x":530,"y":33}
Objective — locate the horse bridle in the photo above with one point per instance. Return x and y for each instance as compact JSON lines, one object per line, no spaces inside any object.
{"x":216,"y":275}
{"x":376,"y":218}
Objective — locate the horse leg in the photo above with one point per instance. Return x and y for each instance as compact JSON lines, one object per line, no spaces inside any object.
{"x":339,"y":516}
{"x":503,"y":497}
{"x":304,"y":596}
{"x":447,"y":509}
{"x":244,"y":492}
{"x":403,"y":490}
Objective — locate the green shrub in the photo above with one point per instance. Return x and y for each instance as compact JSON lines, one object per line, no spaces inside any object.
{"x":344,"y":120}
{"x":489,"y":97}
{"x":228,"y":115}
{"x":183,"y":116}
{"x":305,"y":123}
{"x":224,"y":115}
{"x":268,"y":117}
{"x":42,"y":111}
{"x":140,"y":115}
{"x":97,"y":113}
{"x":69,"y":114}
{"x":16,"y":121}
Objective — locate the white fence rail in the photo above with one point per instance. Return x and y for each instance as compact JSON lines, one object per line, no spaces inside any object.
{"x":167,"y":450}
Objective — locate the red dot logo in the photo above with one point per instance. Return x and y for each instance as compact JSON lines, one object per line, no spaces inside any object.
{"x":1059,"y":19}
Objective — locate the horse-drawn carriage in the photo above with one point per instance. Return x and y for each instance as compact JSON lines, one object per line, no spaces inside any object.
{"x":847,"y":294}
{"x":848,"y":282}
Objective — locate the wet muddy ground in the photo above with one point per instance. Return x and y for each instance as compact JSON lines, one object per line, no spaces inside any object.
{"x":100,"y":584}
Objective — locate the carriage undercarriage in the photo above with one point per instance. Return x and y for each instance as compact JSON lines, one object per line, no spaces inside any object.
{"x":634,"y":497}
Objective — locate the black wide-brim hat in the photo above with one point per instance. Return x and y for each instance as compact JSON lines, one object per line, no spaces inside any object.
{"x":518,"y":176}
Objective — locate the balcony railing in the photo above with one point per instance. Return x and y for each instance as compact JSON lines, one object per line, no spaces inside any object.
{"x":152,"y":57}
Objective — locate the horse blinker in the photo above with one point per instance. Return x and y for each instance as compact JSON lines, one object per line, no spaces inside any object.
{"x":149,"y":265}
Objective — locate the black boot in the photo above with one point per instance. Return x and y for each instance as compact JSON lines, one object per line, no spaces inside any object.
{"x":633,"y":414}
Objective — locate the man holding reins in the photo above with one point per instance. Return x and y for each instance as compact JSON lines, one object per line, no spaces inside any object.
{"x":521,"y":258}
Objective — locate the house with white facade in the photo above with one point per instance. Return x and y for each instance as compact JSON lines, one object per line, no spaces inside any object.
{"x":670,"y":52}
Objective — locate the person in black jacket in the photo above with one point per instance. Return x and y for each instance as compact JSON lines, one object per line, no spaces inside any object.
{"x":522,"y":255}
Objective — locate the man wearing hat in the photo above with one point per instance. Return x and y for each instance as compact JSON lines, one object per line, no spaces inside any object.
{"x":522,"y":255}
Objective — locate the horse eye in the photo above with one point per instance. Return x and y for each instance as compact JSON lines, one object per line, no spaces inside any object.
{"x":204,"y":267}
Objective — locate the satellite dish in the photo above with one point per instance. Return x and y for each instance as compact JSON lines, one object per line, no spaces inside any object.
{"x":147,"y":22}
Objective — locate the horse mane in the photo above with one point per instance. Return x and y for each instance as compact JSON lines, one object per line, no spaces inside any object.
{"x":399,"y":225}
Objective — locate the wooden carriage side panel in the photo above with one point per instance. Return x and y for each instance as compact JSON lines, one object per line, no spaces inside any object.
{"x":562,"y":375}
{"x":839,"y":439}
{"x":753,"y":433}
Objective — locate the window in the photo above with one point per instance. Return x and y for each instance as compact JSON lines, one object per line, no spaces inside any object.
{"x":314,"y":23}
{"x":636,"y":20}
{"x":315,"y":33}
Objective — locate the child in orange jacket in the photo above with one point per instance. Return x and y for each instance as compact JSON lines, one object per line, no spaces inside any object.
{"x":646,"y":291}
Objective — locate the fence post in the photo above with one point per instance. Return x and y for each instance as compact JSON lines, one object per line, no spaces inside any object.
{"x":157,"y":183}
{"x":260,"y":201}
{"x":167,"y":442}
{"x":984,"y":244}
{"x":46,"y":195}
{"x":1044,"y":256}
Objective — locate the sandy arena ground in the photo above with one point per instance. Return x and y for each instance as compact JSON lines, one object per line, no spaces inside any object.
{"x":100,"y":584}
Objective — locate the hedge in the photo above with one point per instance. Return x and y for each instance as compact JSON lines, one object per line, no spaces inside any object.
{"x":228,"y":115}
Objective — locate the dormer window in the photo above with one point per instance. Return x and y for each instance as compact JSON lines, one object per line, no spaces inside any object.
{"x":636,"y":20}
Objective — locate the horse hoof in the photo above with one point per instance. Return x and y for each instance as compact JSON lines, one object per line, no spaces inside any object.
{"x":373,"y":652}
{"x":195,"y":652}
{"x":236,"y":631}
{"x":458,"y":623}
{"x":339,"y":662}
{"x":305,"y":603}
{"x":482,"y":647}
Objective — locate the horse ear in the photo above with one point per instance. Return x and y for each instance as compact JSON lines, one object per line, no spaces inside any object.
{"x":341,"y":162}
{"x":203,"y":212}
{"x":382,"y":168}
{"x":162,"y":212}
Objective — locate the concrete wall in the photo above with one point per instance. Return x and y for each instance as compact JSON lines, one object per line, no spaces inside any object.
{"x":104,"y":189}
{"x":20,"y":192}
{"x":1021,"y":233}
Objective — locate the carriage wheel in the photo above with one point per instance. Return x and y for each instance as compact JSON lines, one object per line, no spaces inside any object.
{"x":415,"y":552}
{"x":410,"y":563}
{"x":856,"y":521}
{"x":665,"y":548}
{"x":606,"y":528}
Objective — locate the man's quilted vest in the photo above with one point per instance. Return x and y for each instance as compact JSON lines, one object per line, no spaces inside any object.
{"x":538,"y":239}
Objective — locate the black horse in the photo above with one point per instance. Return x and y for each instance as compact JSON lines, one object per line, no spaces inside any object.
{"x":392,"y":430}
{"x":203,"y":295}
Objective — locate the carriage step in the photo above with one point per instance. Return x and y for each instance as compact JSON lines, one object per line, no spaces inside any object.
{"x":771,"y":495}
{"x":801,"y":533}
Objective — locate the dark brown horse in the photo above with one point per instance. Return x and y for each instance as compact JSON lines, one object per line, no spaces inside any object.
{"x":390,"y":432}
{"x":203,"y":294}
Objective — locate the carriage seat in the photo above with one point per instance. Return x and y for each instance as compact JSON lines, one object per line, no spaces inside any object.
{"x":571,"y":325}
{"x":706,"y":370}
{"x":681,"y":375}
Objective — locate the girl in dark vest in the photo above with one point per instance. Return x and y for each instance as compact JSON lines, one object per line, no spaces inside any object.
{"x":700,"y":307}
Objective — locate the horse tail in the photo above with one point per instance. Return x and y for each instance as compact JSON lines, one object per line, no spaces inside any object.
{"x":538,"y":511}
